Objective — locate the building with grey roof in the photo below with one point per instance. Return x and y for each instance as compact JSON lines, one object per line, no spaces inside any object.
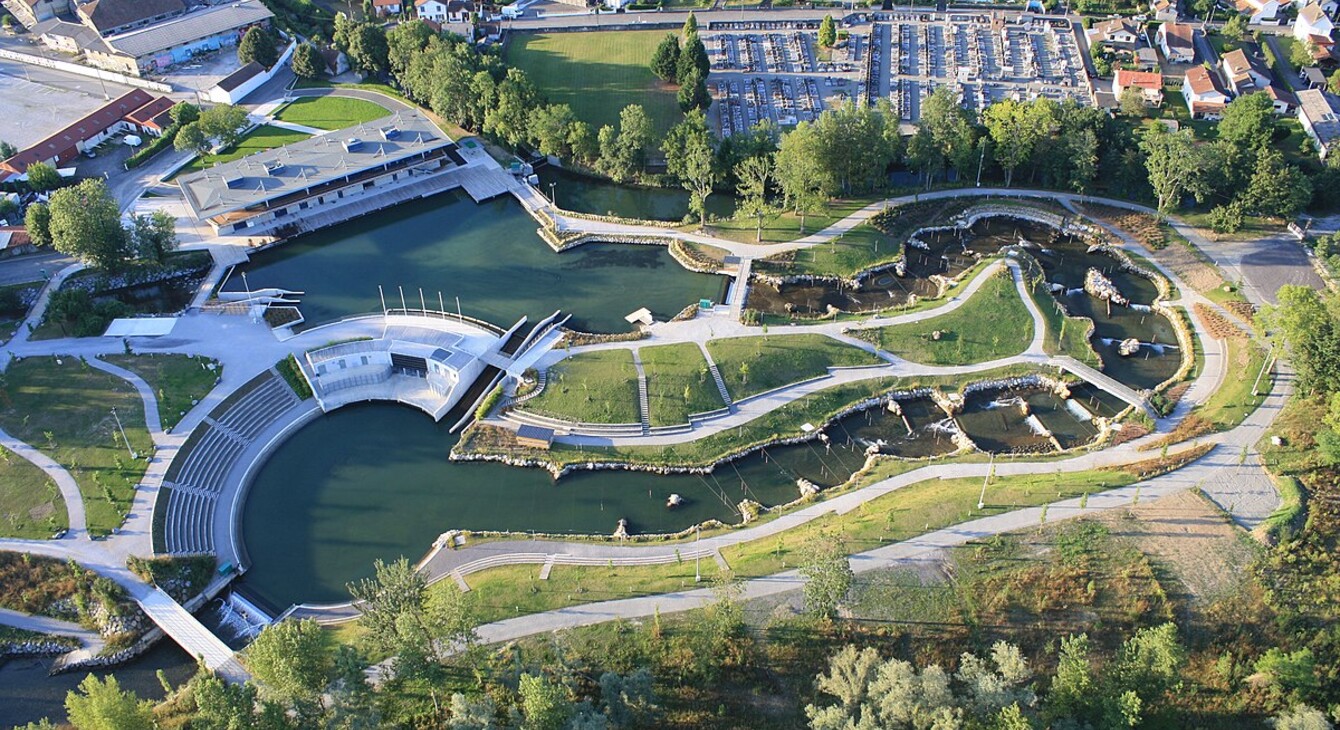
{"x":178,"y":39}
{"x":259,"y":189}
{"x":109,"y":17}
{"x":1319,"y":113}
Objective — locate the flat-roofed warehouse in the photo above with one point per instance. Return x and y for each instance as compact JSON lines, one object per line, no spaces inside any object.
{"x":177,"y":40}
{"x":260,"y":189}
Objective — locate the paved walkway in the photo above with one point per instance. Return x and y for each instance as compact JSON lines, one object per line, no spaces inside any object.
{"x":69,"y":488}
{"x":90,"y":640}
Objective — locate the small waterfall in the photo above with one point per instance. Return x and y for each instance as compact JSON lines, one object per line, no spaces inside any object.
{"x":1078,"y":410}
{"x":1036,"y":426}
{"x":1014,"y":401}
{"x":239,"y":618}
{"x":1142,"y":307}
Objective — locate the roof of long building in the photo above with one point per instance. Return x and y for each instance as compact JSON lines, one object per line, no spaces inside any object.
{"x":272,"y":174}
{"x":79,"y":131}
{"x":190,"y":27}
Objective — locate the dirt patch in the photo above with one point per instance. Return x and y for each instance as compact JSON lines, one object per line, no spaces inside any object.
{"x":1190,"y":538}
{"x":1218,"y":325}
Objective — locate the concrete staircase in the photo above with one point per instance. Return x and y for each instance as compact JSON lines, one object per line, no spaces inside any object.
{"x":716,"y":376}
{"x":643,"y":403}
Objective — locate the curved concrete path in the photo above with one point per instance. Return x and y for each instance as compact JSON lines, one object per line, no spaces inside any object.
{"x":64,"y":481}
{"x":91,"y":640}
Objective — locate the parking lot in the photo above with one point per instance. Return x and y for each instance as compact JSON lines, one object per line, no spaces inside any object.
{"x":34,"y":110}
{"x":776,"y":71}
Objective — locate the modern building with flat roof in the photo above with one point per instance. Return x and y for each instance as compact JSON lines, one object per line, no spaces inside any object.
{"x":259,"y":189}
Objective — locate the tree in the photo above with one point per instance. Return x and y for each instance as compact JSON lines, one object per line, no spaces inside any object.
{"x":42,"y":177}
{"x":1290,"y":675}
{"x":1303,"y":54}
{"x":1333,"y":82}
{"x":798,"y":171}
{"x":692,"y":56}
{"x":1302,"y":320}
{"x":550,"y":129}
{"x":517,"y":98}
{"x":1132,"y":103}
{"x":153,"y":236}
{"x":1227,"y":218}
{"x":1277,"y":189}
{"x":544,"y":704}
{"x":184,"y":113}
{"x":665,"y":61}
{"x":7,"y":150}
{"x":85,"y":222}
{"x":690,"y":25}
{"x":220,"y":705}
{"x":1150,"y":662}
{"x":259,"y":46}
{"x":690,"y":157}
{"x":951,"y":130}
{"x":754,"y":176}
{"x":367,"y":49}
{"x":307,"y":62}
{"x":634,"y":135}
{"x":192,"y":138}
{"x":827,"y":575}
{"x":693,"y":94}
{"x":1176,"y":165}
{"x":393,"y":608}
{"x":224,"y":123}
{"x":1235,"y":28}
{"x":473,"y":713}
{"x":404,"y":42}
{"x":37,"y":220}
{"x":626,"y":699}
{"x":827,"y":32}
{"x":583,"y":142}
{"x":290,"y":661}
{"x":1302,"y":717}
{"x":1013,"y":134}
{"x":103,"y":705}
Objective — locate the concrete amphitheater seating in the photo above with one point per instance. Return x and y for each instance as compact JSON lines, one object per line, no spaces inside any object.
{"x":201,"y":470}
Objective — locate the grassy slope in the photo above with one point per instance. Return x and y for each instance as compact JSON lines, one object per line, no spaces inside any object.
{"x":592,"y":387}
{"x":994,"y":323}
{"x":179,"y":381}
{"x":261,"y":138}
{"x":72,"y":402}
{"x":597,"y":75}
{"x":785,"y":225}
{"x":670,"y":370}
{"x":780,"y":360}
{"x":30,"y":505}
{"x":331,"y":112}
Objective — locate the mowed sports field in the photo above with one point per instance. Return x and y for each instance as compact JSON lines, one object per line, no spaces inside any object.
{"x":597,"y":74}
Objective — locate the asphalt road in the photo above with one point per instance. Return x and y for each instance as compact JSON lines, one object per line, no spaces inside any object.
{"x":32,"y":267}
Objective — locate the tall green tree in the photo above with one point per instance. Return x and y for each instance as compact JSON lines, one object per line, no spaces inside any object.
{"x":7,"y":150}
{"x":692,"y":57}
{"x":153,"y":236}
{"x":754,"y":177}
{"x":1013,"y":134}
{"x":403,"y":42}
{"x":1306,"y":324}
{"x":1177,"y":166}
{"x":551,"y":128}
{"x":307,"y":62}
{"x":86,"y":223}
{"x":184,"y":113}
{"x":951,"y":130}
{"x":367,"y":49}
{"x":800,"y":173}
{"x":544,"y":703}
{"x":827,"y":32}
{"x":665,"y":61}
{"x":102,"y":705}
{"x":693,"y":94}
{"x":42,"y":177}
{"x":224,"y":123}
{"x":690,"y":25}
{"x":290,"y":660}
{"x":828,"y":575}
{"x":37,"y":219}
{"x":259,"y":46}
{"x":516,"y":99}
{"x":1277,"y":189}
{"x":192,"y":138}
{"x":393,"y":608}
{"x":691,"y":158}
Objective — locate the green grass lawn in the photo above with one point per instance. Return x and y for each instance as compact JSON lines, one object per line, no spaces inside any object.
{"x":331,"y":112}
{"x":179,"y":381}
{"x":259,"y":139}
{"x":591,"y":387}
{"x":784,"y":226}
{"x":31,"y":507}
{"x":597,"y":74}
{"x":65,"y":411}
{"x":1233,"y":400}
{"x":752,"y":365}
{"x":992,"y":324}
{"x":862,"y":248}
{"x":678,"y":383}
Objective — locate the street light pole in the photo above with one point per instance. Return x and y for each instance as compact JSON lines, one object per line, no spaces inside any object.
{"x":697,"y":556}
{"x":981,"y":501}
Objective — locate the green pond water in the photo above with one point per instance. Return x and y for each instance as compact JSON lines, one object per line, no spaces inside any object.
{"x":583,"y":194}
{"x":486,"y":254}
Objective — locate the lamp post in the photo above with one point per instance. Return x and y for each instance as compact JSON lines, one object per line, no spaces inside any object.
{"x":981,"y":501}
{"x":697,"y":556}
{"x":120,"y":428}
{"x":552,"y":200}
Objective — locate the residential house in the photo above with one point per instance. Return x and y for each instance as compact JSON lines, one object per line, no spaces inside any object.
{"x":1319,"y":113}
{"x":1146,"y":59}
{"x":1245,"y":71}
{"x":1205,"y":99}
{"x":1259,"y":11}
{"x":1313,"y":26}
{"x":336,"y":62}
{"x":434,"y":10}
{"x":1313,"y":77}
{"x":384,"y":8}
{"x":1165,"y":11}
{"x":1283,"y":100}
{"x":1177,"y":42}
{"x":32,"y":12}
{"x":110,"y":17}
{"x":14,"y":241}
{"x":1150,"y":85}
{"x":1118,"y":32}
{"x":1327,"y":6}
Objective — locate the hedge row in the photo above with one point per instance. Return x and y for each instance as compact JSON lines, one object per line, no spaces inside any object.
{"x":158,"y":145}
